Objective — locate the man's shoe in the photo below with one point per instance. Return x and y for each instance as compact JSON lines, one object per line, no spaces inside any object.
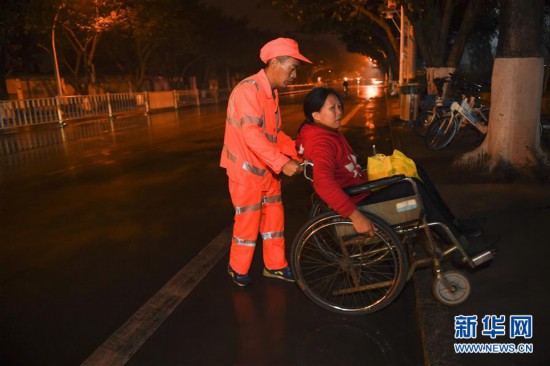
{"x":239,"y":279}
{"x":284,"y":274}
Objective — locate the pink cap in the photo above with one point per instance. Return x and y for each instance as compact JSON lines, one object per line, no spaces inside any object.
{"x":281,"y":47}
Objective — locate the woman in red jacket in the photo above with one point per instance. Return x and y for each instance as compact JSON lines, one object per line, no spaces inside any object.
{"x":335,"y":168}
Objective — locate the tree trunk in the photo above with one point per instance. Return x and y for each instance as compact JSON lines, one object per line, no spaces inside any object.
{"x":513,"y":140}
{"x":546,"y":78}
{"x":464,"y":31}
{"x":432,"y":33}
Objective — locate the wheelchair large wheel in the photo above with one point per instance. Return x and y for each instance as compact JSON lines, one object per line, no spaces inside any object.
{"x":346,"y":272}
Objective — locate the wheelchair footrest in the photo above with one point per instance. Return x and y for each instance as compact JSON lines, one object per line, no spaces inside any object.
{"x":483,"y":257}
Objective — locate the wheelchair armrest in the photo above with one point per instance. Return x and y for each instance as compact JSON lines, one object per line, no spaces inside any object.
{"x":354,"y":191}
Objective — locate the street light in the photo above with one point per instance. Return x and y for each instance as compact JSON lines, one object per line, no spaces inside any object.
{"x":56,"y":66}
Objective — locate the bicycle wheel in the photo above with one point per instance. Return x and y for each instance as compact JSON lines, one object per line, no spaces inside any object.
{"x":482,"y":114}
{"x":441,"y":132}
{"x":346,"y":272}
{"x":423,"y":122}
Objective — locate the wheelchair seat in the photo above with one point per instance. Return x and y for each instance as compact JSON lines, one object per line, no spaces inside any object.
{"x":399,"y":211}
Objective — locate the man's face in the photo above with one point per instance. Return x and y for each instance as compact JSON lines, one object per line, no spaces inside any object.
{"x":283,"y":72}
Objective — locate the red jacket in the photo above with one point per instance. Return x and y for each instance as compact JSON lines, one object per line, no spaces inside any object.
{"x":255,"y":148}
{"x":334,"y":166}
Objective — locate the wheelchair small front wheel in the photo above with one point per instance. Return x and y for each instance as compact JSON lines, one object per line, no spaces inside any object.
{"x":346,"y":272}
{"x":452,"y":288}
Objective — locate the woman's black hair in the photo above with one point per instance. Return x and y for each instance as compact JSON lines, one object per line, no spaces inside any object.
{"x":314,"y":101}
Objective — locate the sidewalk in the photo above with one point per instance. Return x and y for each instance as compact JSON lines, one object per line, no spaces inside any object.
{"x":514,"y":283}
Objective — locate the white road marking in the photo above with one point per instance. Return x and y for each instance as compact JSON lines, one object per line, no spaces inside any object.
{"x":128,"y":339}
{"x":351,"y":114}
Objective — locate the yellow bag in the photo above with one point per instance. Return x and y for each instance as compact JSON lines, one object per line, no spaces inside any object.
{"x":382,"y":166}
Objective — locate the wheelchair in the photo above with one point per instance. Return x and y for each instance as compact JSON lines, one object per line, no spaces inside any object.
{"x":350,"y":273}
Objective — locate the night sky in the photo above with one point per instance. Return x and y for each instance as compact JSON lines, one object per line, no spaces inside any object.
{"x":264,"y":17}
{"x":258,"y":13}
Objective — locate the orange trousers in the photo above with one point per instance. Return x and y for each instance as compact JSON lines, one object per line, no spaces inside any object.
{"x":257,"y":211}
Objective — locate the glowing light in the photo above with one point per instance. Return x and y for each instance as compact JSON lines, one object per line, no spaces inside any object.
{"x":371,"y":91}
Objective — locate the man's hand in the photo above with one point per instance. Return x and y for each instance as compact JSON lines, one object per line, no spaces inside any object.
{"x":362,"y":224}
{"x":292,"y":168}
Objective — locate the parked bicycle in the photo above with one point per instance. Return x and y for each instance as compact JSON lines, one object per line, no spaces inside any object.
{"x":429,"y":115}
{"x":442,"y":130}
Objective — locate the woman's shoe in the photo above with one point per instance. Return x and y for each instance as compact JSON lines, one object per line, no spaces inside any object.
{"x":477,"y":245}
{"x":469,"y":227}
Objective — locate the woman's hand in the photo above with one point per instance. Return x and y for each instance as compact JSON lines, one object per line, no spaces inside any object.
{"x":361,"y":223}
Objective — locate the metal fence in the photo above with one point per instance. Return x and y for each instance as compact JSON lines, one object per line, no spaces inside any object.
{"x":28,"y":112}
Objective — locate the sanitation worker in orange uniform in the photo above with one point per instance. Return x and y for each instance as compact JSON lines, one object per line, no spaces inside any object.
{"x":256,"y":153}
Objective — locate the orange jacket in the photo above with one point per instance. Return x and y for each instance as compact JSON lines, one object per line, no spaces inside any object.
{"x":255,"y":148}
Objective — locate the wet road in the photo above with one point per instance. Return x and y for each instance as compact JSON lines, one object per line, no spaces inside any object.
{"x":95,"y":218}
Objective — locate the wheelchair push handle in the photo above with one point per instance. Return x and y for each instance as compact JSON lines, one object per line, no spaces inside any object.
{"x":307,"y":169}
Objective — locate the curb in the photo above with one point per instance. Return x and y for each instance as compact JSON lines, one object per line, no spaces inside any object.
{"x":434,"y":319}
{"x":434,"y":322}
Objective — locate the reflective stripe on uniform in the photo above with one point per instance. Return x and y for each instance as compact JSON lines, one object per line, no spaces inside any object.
{"x":231,"y":110}
{"x":271,"y":138}
{"x":253,"y":169}
{"x":231,"y":113}
{"x":230,"y":155}
{"x":232,"y":122}
{"x":257,"y":206}
{"x":273,"y":235}
{"x":272,"y":199}
{"x":246,"y":243}
{"x":246,"y":165}
{"x":263,"y":126}
{"x":253,"y":82}
{"x":252,"y":120}
{"x":249,"y":208}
